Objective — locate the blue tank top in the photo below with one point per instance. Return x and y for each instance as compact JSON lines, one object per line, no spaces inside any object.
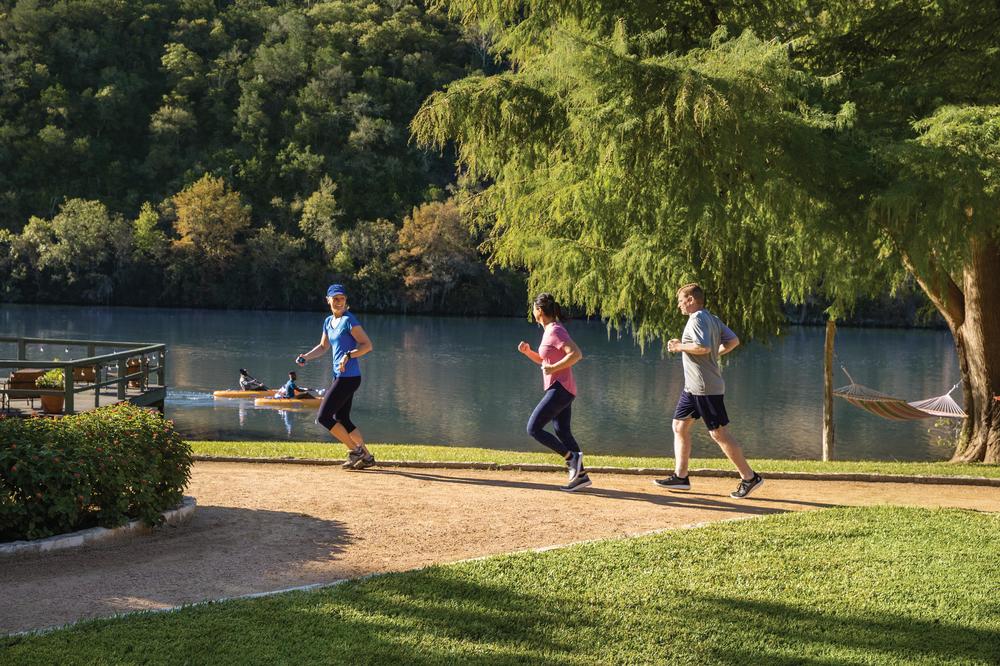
{"x":338,"y":332}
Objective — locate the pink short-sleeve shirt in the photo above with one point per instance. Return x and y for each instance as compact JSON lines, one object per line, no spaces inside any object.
{"x":550,"y":349}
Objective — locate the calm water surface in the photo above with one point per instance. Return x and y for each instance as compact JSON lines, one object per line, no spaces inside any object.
{"x":461,"y":382}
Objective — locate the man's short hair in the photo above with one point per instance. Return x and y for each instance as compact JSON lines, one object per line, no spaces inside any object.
{"x":693,"y":289}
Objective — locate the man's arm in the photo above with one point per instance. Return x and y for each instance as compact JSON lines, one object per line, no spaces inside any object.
{"x":729,"y":345}
{"x":687,"y":347}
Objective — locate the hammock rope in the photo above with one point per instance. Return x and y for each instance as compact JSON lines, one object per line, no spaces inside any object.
{"x":897,"y":409}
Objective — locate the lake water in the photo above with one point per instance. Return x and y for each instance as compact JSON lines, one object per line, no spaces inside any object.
{"x":461,"y":382}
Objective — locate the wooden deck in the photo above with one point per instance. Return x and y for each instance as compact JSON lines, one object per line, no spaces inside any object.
{"x":85,"y":401}
{"x":132,"y":372}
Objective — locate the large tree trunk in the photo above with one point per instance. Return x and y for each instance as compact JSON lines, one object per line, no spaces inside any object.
{"x":973,"y":316}
{"x":978,"y":343}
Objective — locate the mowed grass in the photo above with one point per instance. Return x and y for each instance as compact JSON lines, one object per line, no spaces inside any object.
{"x":840,"y":586}
{"x":422,"y":453}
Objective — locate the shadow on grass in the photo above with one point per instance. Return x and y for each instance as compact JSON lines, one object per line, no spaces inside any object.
{"x":440,"y":617}
{"x":795,"y":634}
{"x":662,"y":498}
{"x":220,"y":552}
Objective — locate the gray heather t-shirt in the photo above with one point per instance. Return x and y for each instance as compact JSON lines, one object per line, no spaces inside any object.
{"x":702,"y":375}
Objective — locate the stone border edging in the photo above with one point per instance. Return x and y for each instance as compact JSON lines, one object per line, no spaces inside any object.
{"x":94,"y":535}
{"x":646,"y":471}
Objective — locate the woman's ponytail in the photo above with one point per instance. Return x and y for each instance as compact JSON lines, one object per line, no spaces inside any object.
{"x":546,"y":302}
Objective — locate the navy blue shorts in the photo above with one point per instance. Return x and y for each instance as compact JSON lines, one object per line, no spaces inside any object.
{"x":708,"y":407}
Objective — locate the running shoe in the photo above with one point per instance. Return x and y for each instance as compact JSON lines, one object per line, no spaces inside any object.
{"x":365,"y":462}
{"x":352,"y":458}
{"x":575,"y":465}
{"x":747,"y":487}
{"x":580,"y":482}
{"x":674,"y":482}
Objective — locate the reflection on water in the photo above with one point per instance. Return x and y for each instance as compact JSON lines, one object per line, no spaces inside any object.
{"x":461,"y":381}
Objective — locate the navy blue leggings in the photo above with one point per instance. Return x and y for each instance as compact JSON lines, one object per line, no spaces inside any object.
{"x":337,"y":401}
{"x":556,"y":405}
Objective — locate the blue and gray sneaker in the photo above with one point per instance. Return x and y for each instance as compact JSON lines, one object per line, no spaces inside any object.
{"x":574,"y":465}
{"x":581,"y":481}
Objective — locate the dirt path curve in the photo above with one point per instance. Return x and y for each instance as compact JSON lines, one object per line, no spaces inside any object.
{"x":269,"y":527}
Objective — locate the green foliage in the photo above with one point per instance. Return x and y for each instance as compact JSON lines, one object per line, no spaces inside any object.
{"x":148,"y":241}
{"x":766,"y":151}
{"x":124,"y":101}
{"x":97,"y":468}
{"x":320,"y":215}
{"x":53,"y":379}
{"x":614,"y":178}
{"x":78,"y":252}
{"x":279,"y":272}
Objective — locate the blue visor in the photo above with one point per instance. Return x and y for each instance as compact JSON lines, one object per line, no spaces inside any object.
{"x":335,"y":290}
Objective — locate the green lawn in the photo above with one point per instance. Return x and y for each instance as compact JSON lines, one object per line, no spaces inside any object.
{"x":467,"y":454}
{"x":839,"y":586}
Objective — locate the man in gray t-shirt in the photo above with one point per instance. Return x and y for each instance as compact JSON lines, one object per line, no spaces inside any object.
{"x":702,"y":375}
{"x":704,"y":340}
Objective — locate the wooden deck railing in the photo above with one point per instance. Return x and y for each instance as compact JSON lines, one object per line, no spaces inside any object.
{"x":113,"y":369}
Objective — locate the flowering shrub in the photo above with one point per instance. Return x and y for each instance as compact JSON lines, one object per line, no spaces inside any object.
{"x":97,"y":468}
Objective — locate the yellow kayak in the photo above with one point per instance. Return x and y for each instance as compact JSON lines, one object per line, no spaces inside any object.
{"x":241,"y":394}
{"x":287,"y":403}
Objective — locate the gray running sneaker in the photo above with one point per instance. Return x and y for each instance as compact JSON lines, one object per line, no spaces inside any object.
{"x":579,"y":483}
{"x":747,"y":487}
{"x":674,"y":482}
{"x":365,"y":462}
{"x":575,"y":465}
{"x":352,"y":458}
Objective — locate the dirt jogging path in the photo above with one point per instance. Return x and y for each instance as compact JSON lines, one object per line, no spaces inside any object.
{"x":265,"y":527}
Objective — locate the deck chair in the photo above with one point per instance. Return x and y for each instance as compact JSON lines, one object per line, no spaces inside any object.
{"x":21,"y":385}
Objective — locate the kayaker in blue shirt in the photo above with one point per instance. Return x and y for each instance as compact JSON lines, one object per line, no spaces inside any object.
{"x":290,"y":389}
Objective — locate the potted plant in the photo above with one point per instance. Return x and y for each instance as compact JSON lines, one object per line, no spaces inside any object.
{"x":52,"y":380}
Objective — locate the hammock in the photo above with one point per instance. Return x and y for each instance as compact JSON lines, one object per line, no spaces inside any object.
{"x":895,"y":409}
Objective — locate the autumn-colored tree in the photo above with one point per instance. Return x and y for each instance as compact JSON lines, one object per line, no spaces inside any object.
{"x":436,"y":250}
{"x":210,"y":218}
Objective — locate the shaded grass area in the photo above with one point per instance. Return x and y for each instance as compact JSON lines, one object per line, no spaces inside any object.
{"x":840,"y":586}
{"x":416,"y":452}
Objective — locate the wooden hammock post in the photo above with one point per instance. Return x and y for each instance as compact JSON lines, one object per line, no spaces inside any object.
{"x":831,"y":331}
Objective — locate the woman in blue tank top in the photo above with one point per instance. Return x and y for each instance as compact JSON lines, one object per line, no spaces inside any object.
{"x":344,"y":337}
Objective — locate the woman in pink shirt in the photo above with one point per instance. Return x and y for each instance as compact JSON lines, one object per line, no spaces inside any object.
{"x":557,"y":353}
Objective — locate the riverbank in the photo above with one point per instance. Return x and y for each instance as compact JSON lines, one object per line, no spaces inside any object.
{"x":423,"y":453}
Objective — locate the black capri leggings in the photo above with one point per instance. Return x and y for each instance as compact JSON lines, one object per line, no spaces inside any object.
{"x":336,"y":405}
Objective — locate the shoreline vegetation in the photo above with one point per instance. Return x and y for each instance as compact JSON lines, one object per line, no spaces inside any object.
{"x":426,"y":453}
{"x":834,"y":586}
